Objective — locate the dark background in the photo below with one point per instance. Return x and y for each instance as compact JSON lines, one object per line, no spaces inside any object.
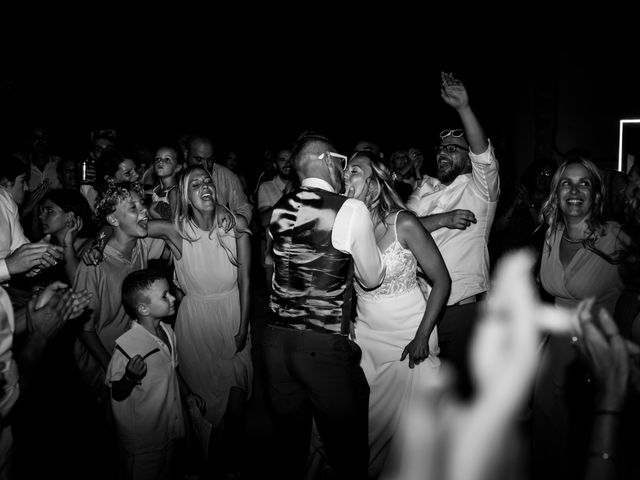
{"x":540,"y":82}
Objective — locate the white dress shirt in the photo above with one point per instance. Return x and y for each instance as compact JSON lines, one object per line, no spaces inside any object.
{"x":11,"y":233}
{"x":464,"y":252}
{"x":50,"y":172}
{"x":269,"y":192}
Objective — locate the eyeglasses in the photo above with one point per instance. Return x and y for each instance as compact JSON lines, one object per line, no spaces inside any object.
{"x":457,"y":133}
{"x":111,"y":134}
{"x":335,"y":156}
{"x":450,"y":148}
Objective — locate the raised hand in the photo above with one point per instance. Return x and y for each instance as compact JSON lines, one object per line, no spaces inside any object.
{"x":453,"y":91}
{"x":416,"y":156}
{"x":606,"y":353}
{"x":72,"y":232}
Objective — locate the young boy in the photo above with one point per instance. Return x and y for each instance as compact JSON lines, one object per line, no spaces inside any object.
{"x":165,"y":195}
{"x":127,"y":250}
{"x":142,"y":374}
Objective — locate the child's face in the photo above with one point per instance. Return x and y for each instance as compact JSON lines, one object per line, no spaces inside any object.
{"x":52,"y":217}
{"x":126,"y":171}
{"x":166,"y":162}
{"x":161,"y":303}
{"x":131,"y":215}
{"x":201,"y":191}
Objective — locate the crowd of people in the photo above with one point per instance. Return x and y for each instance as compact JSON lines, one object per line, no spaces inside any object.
{"x":415,"y":326}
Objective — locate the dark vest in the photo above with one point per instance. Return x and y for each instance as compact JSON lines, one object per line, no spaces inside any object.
{"x":312,"y":280}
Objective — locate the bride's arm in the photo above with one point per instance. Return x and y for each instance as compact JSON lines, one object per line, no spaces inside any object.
{"x":414,"y":236}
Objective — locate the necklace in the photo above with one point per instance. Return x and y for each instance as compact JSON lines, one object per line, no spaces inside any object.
{"x":564,"y":237}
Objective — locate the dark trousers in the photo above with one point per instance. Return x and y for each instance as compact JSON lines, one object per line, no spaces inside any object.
{"x":317,"y":375}
{"x":455,"y":331}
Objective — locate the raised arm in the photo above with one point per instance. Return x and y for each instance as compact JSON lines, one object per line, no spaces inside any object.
{"x":168,"y":232}
{"x":455,"y":95}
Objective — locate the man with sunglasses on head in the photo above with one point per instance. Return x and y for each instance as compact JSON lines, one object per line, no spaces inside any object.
{"x":318,"y":240}
{"x":458,"y":208}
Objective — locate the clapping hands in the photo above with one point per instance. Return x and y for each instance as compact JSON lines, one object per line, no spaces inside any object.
{"x":56,"y":305}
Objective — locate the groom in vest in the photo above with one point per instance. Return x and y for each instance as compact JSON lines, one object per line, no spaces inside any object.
{"x":320,"y":240}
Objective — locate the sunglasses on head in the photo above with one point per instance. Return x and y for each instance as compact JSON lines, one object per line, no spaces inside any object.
{"x":111,"y":134}
{"x":457,"y":133}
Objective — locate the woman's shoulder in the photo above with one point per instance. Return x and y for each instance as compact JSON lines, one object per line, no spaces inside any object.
{"x":405,"y":221}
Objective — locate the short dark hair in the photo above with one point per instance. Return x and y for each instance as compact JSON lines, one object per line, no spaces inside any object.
{"x":14,"y":168}
{"x":134,"y":286}
{"x":73,"y":201}
{"x":305,"y":139}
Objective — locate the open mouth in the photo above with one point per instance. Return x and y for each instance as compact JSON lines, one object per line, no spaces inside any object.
{"x":143,"y":222}
{"x":207,"y":196}
{"x":444,"y":163}
{"x":575,"y":201}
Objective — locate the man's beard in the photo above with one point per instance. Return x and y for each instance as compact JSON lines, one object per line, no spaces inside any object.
{"x":449,"y":173}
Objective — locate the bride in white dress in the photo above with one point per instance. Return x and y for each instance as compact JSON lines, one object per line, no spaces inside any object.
{"x":395,"y":325}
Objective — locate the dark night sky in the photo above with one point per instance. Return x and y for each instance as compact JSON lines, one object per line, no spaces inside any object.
{"x":249,"y":82}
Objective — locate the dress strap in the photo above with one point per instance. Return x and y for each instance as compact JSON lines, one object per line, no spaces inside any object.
{"x":395,"y":222}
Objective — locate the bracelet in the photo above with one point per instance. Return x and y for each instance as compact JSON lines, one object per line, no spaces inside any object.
{"x":603,"y":456}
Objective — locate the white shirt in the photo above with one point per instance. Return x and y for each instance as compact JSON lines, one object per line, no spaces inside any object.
{"x":353,"y":234}
{"x":49,"y":171}
{"x":151,"y":416}
{"x":11,"y":233}
{"x":269,"y":192}
{"x":464,"y":252}
{"x":10,"y":391}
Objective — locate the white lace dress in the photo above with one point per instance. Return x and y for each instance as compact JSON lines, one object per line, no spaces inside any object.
{"x":387,"y":320}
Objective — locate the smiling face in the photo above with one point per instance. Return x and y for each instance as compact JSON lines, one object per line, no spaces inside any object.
{"x":130,"y":216}
{"x":356,"y":177}
{"x":575,"y":193}
{"x":201,"y":191}
{"x":52,"y":218}
{"x":166,"y":162}
{"x":451,"y":164}
{"x":283,"y":163}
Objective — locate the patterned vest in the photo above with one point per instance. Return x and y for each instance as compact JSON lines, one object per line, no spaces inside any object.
{"x":312,"y":281}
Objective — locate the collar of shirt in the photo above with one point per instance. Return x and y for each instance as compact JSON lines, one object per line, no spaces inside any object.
{"x":313,"y":182}
{"x":280,"y":183}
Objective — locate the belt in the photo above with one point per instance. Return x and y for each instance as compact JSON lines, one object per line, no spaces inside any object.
{"x":472,"y":299}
